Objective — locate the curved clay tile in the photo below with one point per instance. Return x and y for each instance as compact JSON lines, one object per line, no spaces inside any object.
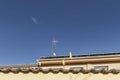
{"x":35,"y":70}
{"x":55,"y":70}
{"x":95,"y":71}
{"x":114,"y":71}
{"x":105,"y":71}
{"x":24,"y":70}
{"x":45,"y":70}
{"x":15,"y":70}
{"x":64,"y":70}
{"x":5,"y":70}
{"x":75,"y":70}
{"x":84,"y":71}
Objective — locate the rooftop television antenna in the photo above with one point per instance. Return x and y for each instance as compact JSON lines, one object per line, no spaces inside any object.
{"x":54,"y":42}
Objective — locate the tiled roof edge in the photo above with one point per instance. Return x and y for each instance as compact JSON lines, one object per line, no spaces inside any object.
{"x":57,"y":70}
{"x":19,"y":66}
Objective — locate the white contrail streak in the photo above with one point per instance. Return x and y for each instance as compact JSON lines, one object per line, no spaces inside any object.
{"x":34,"y":20}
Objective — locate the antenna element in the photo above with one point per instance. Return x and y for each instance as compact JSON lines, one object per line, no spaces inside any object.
{"x":54,"y":42}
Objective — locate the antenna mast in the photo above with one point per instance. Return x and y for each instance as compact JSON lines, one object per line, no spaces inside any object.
{"x":54,"y":42}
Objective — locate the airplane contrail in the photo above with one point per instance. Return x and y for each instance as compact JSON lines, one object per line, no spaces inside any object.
{"x":34,"y":20}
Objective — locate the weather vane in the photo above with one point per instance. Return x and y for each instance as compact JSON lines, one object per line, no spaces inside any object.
{"x":54,"y":42}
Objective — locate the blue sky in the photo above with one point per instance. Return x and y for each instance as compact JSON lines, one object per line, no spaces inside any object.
{"x":27,"y":28}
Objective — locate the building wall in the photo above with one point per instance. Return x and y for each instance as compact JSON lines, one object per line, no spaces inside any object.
{"x":110,"y":65}
{"x":58,"y":76}
{"x":88,"y":66}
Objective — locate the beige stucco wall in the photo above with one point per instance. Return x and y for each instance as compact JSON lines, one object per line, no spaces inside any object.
{"x":58,"y":76}
{"x":88,"y":66}
{"x":110,"y":65}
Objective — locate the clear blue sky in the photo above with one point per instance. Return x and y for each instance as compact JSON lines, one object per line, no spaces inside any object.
{"x":27,"y":28}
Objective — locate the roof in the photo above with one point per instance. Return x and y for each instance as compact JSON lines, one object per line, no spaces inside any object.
{"x":81,"y":56}
{"x":34,"y":68}
{"x":19,"y":66}
{"x":79,"y":59}
{"x":59,"y":60}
